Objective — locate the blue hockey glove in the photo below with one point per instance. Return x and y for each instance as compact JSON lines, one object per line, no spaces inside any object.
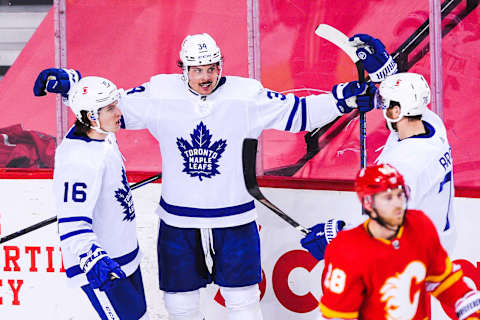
{"x":320,"y":236}
{"x":352,"y":95}
{"x":56,"y":81}
{"x":376,"y":60}
{"x":100,"y":269}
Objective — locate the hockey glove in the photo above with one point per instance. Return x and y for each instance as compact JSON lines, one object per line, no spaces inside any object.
{"x":56,"y":81}
{"x":376,"y":60}
{"x":320,"y":236}
{"x":100,"y":269}
{"x":352,"y":95}
{"x":468,"y":307}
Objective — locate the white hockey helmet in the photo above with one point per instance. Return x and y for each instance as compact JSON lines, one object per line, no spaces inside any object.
{"x":410,"y":90}
{"x":91,"y":94}
{"x":199,"y":50}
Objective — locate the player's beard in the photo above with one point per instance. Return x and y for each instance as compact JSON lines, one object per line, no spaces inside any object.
{"x":389,"y":224}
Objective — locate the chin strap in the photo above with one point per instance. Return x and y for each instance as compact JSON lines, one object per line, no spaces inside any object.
{"x":100,"y":130}
{"x":390,"y":120}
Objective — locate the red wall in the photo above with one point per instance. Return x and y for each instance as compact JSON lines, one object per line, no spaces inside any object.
{"x":128,"y":41}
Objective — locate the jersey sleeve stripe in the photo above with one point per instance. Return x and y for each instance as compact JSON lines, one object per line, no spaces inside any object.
{"x":122,"y":260}
{"x":337,"y":314}
{"x":304,"y":114}
{"x":439,"y":278}
{"x":292,"y":114}
{"x":73,"y":219}
{"x":447,"y":283}
{"x":74,"y":233}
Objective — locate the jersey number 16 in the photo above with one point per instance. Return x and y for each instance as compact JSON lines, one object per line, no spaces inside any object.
{"x":78,"y":193}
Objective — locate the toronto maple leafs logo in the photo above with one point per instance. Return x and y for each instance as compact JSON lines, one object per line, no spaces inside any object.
{"x":201,"y":158}
{"x":124,"y":196}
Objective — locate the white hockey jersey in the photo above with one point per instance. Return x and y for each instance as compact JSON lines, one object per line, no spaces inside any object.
{"x":201,"y":141}
{"x":94,"y":203}
{"x":426,"y":163}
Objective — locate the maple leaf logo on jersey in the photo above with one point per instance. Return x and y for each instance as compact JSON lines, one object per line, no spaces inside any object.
{"x":124,"y":196}
{"x":201,"y":158}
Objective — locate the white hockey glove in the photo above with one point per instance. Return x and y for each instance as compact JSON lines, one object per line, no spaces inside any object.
{"x":468,"y":307}
{"x":352,"y":95}
{"x":100,"y":269}
{"x":56,"y":81}
{"x":376,"y":60}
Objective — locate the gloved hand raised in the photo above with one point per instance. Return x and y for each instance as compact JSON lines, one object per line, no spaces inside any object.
{"x":352,"y":95}
{"x":320,"y":236}
{"x":56,"y":81}
{"x":100,"y":269}
{"x":376,"y":60}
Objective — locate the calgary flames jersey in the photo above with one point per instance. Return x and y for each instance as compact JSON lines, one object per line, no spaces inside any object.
{"x":369,"y":278}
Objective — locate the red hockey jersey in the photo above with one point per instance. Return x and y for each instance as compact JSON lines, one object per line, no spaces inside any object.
{"x":368,"y":278}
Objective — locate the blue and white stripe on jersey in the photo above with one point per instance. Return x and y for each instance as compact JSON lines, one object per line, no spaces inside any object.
{"x":206,"y":213}
{"x":71,"y":227}
{"x":294,"y":113}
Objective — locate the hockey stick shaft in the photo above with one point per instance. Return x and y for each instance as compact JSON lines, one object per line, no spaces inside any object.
{"x":54,"y":219}
{"x":249,"y":153}
{"x":339,"y":39}
{"x":363,"y":122}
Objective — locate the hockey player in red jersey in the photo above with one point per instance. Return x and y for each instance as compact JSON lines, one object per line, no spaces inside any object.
{"x":384,"y":268}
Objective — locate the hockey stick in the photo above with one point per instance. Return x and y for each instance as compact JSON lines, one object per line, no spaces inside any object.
{"x":249,"y":154}
{"x":341,"y":40}
{"x":53,"y":219}
{"x":400,"y":55}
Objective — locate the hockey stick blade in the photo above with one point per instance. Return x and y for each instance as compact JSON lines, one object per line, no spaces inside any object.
{"x":339,"y":39}
{"x":400,"y":55}
{"x":249,"y":153}
{"x":54,"y":219}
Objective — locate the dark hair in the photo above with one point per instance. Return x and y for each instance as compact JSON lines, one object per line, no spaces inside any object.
{"x":414,"y":118}
{"x":180,"y":64}
{"x":410,"y":118}
{"x":393,"y":104}
{"x":81,"y":129}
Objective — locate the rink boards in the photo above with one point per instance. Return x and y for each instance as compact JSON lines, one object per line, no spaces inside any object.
{"x":32,"y":278}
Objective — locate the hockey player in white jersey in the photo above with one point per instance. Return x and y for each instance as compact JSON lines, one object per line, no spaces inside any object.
{"x":418,"y":147}
{"x":96,"y":216}
{"x":200,"y":118}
